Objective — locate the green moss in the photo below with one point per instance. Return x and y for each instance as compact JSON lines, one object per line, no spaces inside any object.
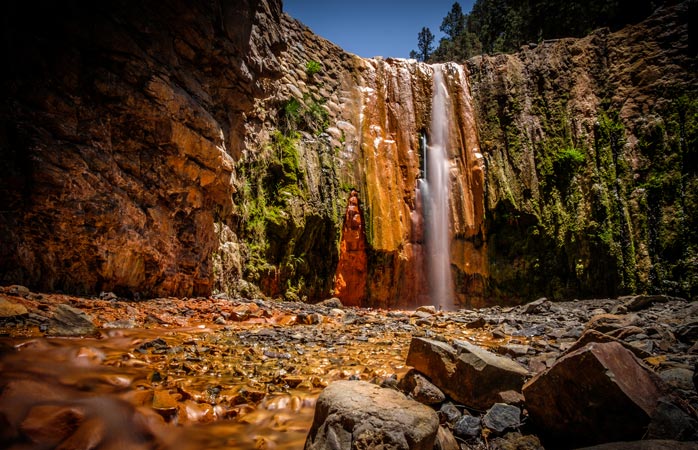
{"x":312,"y":67}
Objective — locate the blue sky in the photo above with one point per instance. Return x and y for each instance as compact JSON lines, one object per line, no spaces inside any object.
{"x":373,"y":28}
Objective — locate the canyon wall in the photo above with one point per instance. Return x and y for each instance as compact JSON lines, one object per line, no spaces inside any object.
{"x":182,"y":149}
{"x":591,"y":162}
{"x":121,"y":125}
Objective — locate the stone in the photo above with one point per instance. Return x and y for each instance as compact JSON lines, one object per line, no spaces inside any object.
{"x":598,"y":393}
{"x":650,"y":444}
{"x":502,"y":417}
{"x":468,"y":427}
{"x":470,"y":375}
{"x":419,"y":388}
{"x":679,"y":378}
{"x":480,"y":322}
{"x":449,"y":414}
{"x":605,"y":323}
{"x":332,"y":303}
{"x":670,"y":421}
{"x":688,"y":332}
{"x":357,"y":414}
{"x":511,"y":398}
{"x":10,"y":309}
{"x":536,"y":307}
{"x":516,"y":441}
{"x":590,"y":336}
{"x":48,"y":425}
{"x":445,"y":440}
{"x":69,"y":321}
{"x":640,"y":302}
{"x":18,"y":290}
{"x":429,"y":309}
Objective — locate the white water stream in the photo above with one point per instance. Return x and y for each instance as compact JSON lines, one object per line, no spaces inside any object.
{"x":436,"y":198}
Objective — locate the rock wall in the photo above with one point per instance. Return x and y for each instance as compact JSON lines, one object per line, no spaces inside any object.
{"x":181,"y":149}
{"x":590,"y":147}
{"x":121,"y":124}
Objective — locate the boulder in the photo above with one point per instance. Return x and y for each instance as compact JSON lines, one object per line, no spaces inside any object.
{"x":357,"y":414}
{"x":69,"y":321}
{"x":469,"y":374}
{"x":599,"y":393}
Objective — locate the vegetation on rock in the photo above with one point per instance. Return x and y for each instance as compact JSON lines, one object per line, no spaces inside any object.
{"x":494,"y":26}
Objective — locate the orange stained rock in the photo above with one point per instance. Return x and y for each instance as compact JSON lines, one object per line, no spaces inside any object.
{"x":350,"y":278}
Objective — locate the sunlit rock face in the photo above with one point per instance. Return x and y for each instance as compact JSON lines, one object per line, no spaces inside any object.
{"x":121,"y":122}
{"x":396,"y":113}
{"x":350,"y":278}
{"x":379,"y":116}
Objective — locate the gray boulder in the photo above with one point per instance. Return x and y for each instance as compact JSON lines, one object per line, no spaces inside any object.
{"x":361,"y":415}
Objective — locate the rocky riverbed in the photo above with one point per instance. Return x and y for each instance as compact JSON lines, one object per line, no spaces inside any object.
{"x":238,"y":373}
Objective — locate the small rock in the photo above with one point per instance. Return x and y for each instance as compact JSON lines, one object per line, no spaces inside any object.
{"x":669,"y":421}
{"x":536,"y":307}
{"x":640,"y":302}
{"x":590,"y":336}
{"x":110,"y":296}
{"x":480,"y":322}
{"x":69,"y":321}
{"x":10,"y":309}
{"x":357,"y":414}
{"x":449,"y":414}
{"x":605,"y":323}
{"x":516,"y":441}
{"x":333,"y":303}
{"x":513,"y":350}
{"x":429,"y":309}
{"x":419,"y":388}
{"x":512,"y":398}
{"x":468,"y":427}
{"x":445,"y":440}
{"x":650,"y":444}
{"x":688,"y":333}
{"x":18,"y":290}
{"x":502,"y":417}
{"x":220,"y":320}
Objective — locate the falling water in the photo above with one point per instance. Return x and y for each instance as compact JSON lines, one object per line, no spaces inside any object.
{"x":437,"y":198}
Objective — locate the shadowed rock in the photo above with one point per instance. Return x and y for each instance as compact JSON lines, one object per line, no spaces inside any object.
{"x":599,"y":393}
{"x":357,"y":414}
{"x":470,"y":374}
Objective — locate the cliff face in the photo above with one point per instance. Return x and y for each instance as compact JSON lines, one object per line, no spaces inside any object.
{"x":178,"y":149}
{"x":121,"y":123}
{"x":591,"y":148}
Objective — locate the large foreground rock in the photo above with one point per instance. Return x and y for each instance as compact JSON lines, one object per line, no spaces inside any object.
{"x":599,"y":393}
{"x":469,"y":374}
{"x":361,"y":415}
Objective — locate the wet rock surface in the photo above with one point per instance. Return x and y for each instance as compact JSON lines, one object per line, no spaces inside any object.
{"x":220,"y":372}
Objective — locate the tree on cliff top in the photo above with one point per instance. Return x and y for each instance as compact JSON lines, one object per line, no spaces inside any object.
{"x":504,"y":25}
{"x":425,"y":44}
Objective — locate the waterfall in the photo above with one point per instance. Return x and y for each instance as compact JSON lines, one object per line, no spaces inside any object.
{"x":436,"y":198}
